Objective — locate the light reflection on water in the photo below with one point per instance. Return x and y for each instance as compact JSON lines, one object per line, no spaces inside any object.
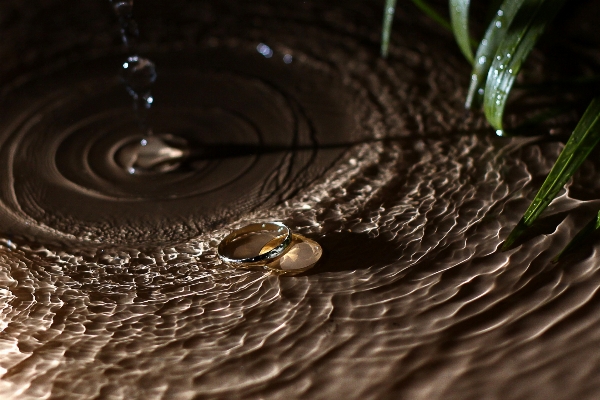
{"x":411,"y":298}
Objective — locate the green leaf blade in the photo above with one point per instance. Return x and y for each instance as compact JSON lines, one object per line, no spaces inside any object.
{"x":427,"y":9}
{"x":459,"y":17}
{"x":487,"y":50}
{"x":388,"y":18}
{"x":386,"y":32}
{"x":583,"y":140}
{"x":527,"y":26}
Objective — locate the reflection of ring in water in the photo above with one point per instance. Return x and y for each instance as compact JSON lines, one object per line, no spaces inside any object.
{"x":234,"y":248}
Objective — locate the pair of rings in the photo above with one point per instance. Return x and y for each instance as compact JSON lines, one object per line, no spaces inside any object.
{"x":269,"y":245}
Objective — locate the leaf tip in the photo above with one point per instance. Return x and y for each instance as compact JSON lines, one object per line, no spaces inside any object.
{"x":384,"y":50}
{"x":514,"y":235}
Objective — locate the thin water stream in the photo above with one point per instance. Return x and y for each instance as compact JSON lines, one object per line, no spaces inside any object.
{"x":273,"y":110}
{"x":154,"y":153}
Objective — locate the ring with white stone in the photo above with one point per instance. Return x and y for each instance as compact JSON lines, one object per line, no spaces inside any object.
{"x":280,"y":229}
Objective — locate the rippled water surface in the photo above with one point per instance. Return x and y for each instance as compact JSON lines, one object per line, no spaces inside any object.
{"x":109,"y":281}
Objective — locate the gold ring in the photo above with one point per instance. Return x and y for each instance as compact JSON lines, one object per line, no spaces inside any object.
{"x":279,"y":228}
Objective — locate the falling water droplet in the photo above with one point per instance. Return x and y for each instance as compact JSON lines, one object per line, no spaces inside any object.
{"x":121,"y":4}
{"x":151,"y":154}
{"x":264,"y":50}
{"x":129,"y":29}
{"x":139,"y":74}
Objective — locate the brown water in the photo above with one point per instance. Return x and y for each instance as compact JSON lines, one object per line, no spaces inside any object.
{"x":110,"y":283}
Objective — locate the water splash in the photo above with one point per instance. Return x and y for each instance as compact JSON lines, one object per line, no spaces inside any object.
{"x":152,"y":154}
{"x":138,"y":75}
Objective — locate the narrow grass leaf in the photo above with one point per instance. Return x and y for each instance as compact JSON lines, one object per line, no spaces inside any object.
{"x":388,"y":17}
{"x":583,"y":140}
{"x":523,"y":33}
{"x":386,"y":32}
{"x":487,"y":50}
{"x":427,"y":9}
{"x":459,"y":16}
